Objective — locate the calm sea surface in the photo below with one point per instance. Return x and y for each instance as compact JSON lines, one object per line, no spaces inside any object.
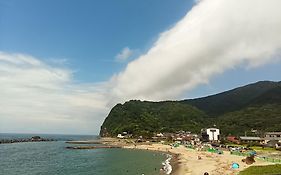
{"x":51,"y":158}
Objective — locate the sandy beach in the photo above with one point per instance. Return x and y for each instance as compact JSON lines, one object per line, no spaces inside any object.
{"x":187,"y":162}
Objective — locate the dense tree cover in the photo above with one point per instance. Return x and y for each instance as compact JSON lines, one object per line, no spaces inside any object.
{"x":237,"y":98}
{"x":144,"y":118}
{"x":255,"y":106}
{"x":262,"y":117}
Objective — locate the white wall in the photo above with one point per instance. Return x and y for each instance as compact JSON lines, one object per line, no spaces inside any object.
{"x":213,"y":134}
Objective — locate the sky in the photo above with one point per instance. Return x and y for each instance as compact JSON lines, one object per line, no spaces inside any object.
{"x":65,"y":64}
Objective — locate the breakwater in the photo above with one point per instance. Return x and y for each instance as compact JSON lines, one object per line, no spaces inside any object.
{"x":84,"y":142}
{"x":92,"y":147}
{"x":32,"y":139}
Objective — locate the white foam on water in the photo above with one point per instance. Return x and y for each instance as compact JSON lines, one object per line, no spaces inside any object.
{"x":167,"y":166}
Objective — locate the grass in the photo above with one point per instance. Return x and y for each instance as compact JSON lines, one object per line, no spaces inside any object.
{"x":262,"y":170}
{"x":259,"y":148}
{"x":256,"y":148}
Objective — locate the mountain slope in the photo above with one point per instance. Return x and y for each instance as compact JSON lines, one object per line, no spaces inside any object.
{"x":142,"y":118}
{"x":254,"y":106}
{"x":235,"y":99}
{"x":260,"y":117}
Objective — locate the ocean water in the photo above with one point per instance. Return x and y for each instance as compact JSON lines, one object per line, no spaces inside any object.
{"x":51,"y":158}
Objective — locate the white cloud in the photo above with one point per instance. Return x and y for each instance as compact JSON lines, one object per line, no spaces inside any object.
{"x":38,"y":98}
{"x":216,"y":35}
{"x":124,"y":54}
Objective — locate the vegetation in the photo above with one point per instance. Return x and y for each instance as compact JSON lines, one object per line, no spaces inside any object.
{"x":262,"y":170}
{"x":144,"y":118}
{"x":263,"y":149}
{"x":262,"y":92}
{"x":262,"y":117}
{"x":255,"y":106}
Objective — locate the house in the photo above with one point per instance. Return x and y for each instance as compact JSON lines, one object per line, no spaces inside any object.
{"x":179,"y":139}
{"x":120,"y":136}
{"x":271,"y":144}
{"x":250,"y":139}
{"x":233,"y":139}
{"x":278,"y":146}
{"x":268,"y":136}
{"x":124,"y":135}
{"x":210,"y":134}
{"x":159,"y":135}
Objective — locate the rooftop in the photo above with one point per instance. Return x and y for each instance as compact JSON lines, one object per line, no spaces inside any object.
{"x":273,"y":133}
{"x":250,"y":138}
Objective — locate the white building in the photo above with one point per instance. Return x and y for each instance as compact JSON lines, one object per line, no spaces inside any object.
{"x":120,"y":136}
{"x":213,"y":134}
{"x":159,"y":135}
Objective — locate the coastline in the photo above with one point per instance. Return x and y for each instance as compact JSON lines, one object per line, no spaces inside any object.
{"x":169,"y":167}
{"x":185,"y":161}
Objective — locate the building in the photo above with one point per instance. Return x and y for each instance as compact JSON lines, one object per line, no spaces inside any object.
{"x":214,"y":134}
{"x":210,"y":134}
{"x":160,"y":135}
{"x":250,"y":139}
{"x":120,"y":136}
{"x":233,"y":139}
{"x":269,"y":136}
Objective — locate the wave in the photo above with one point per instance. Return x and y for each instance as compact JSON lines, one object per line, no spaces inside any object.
{"x":167,"y":167}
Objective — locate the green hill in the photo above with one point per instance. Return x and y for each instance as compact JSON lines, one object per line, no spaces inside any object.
{"x":254,"y":106}
{"x":237,"y":98}
{"x":143,"y":118}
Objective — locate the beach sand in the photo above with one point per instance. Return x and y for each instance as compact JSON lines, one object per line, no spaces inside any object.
{"x":185,"y":161}
{"x":188,"y":163}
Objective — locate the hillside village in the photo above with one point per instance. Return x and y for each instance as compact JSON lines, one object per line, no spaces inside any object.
{"x":212,"y":136}
{"x":250,"y":110}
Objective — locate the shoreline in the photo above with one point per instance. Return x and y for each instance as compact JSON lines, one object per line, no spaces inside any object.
{"x":173,"y":157}
{"x":185,"y":161}
{"x":174,"y":161}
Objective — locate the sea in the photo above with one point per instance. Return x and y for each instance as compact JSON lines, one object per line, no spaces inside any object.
{"x":52,"y":158}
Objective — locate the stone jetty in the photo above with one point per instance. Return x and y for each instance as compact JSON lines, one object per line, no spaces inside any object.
{"x":84,"y":142}
{"x":32,"y":139}
{"x":92,"y":147}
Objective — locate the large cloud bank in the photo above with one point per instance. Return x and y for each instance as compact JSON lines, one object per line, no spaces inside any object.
{"x":216,"y":35}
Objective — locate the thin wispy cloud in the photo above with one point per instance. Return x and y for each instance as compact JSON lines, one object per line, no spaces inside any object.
{"x":124,"y":54}
{"x":36,"y":97}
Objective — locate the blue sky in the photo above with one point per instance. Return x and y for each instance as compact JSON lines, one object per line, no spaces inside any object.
{"x":64,"y":64}
{"x":89,"y":34}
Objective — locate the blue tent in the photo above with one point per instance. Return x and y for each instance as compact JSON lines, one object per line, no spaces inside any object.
{"x":235,"y":166}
